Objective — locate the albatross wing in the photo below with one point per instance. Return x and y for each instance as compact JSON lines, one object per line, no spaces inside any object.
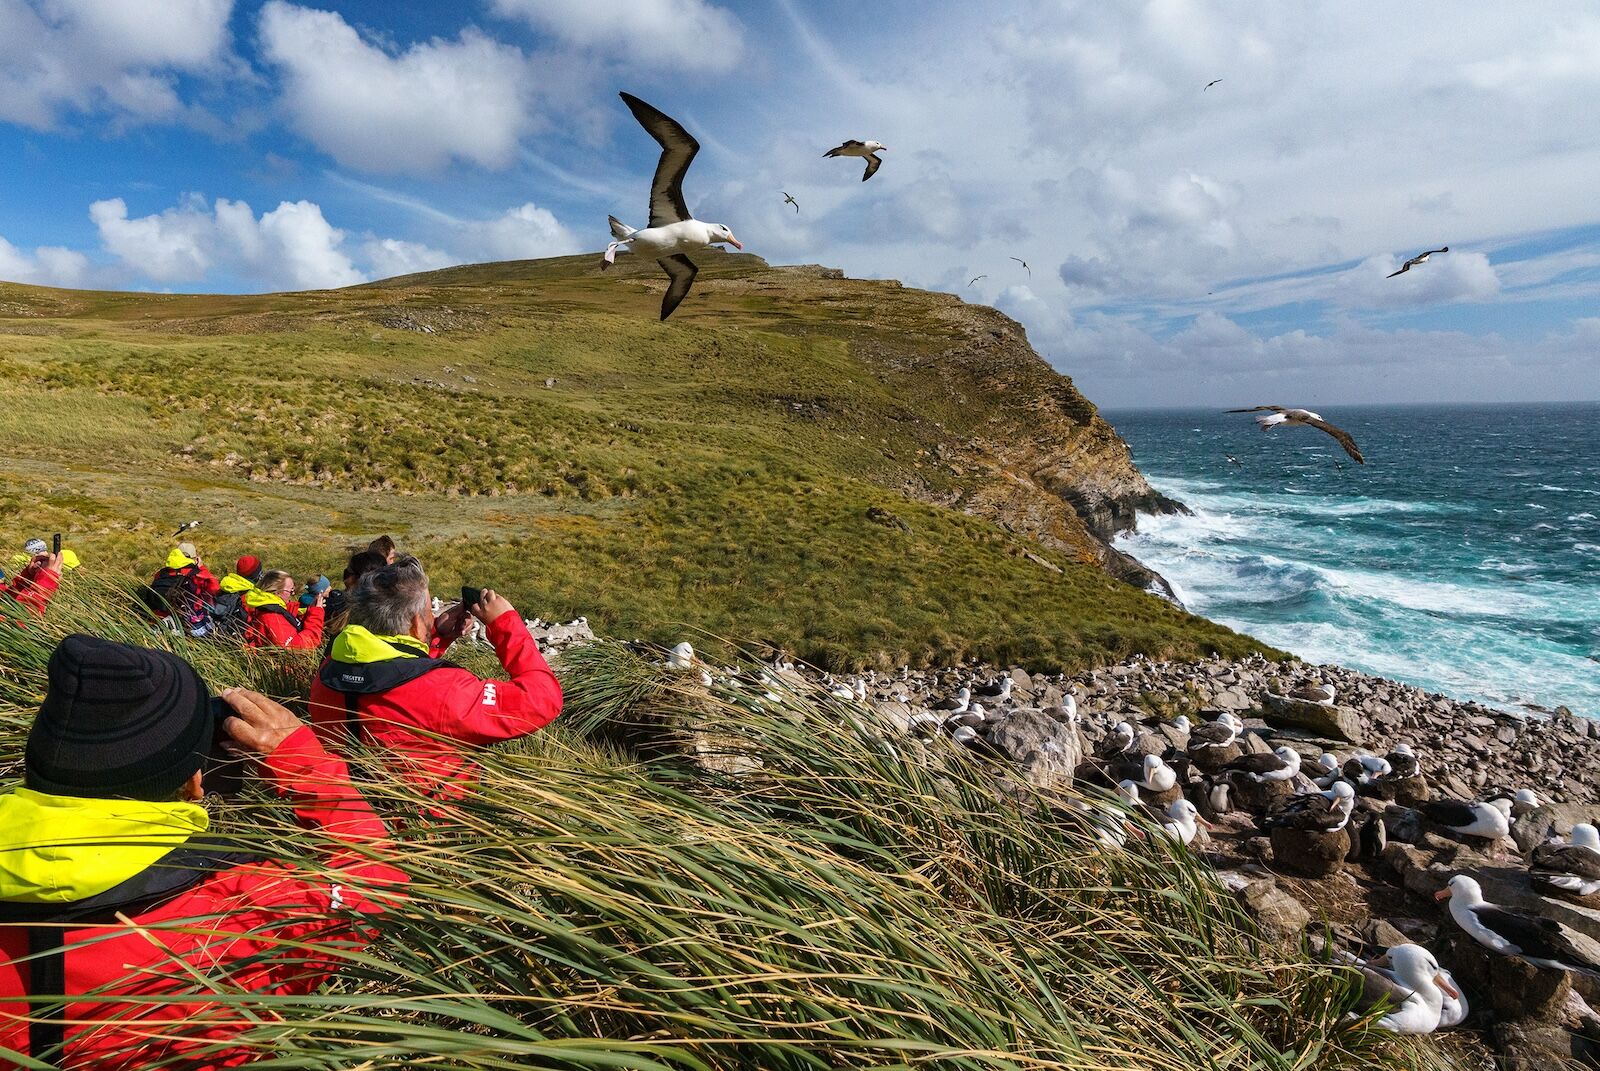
{"x":874,"y":161}
{"x":677,"y":152}
{"x":845,"y":148}
{"x":682,"y":272}
{"x":1341,"y":435}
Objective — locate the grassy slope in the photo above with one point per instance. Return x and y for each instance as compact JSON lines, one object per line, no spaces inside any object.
{"x":715,"y":471}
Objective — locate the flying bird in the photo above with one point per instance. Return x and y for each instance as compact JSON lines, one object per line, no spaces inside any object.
{"x":1024,"y":263}
{"x":672,"y":231}
{"x":975,"y":278}
{"x":788,"y":200}
{"x":867,"y":149}
{"x":1233,"y":460}
{"x":1420,"y":258}
{"x":184,"y":527}
{"x":1293,"y":418}
{"x":1209,"y":84}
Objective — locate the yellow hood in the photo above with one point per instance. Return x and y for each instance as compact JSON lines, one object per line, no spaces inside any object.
{"x":256,"y":598}
{"x":61,"y":849}
{"x":177,"y":559}
{"x":234,"y":583}
{"x":356,"y":646}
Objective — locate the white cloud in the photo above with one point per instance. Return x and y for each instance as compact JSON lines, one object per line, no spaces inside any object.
{"x":413,"y":110}
{"x":89,"y":56}
{"x":290,"y":247}
{"x":46,"y":266}
{"x":523,"y":233}
{"x":685,"y":36}
{"x":389,"y":257}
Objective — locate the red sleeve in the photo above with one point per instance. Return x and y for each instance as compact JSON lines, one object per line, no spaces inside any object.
{"x":280,"y":633}
{"x":205,"y":583}
{"x":318,"y":785}
{"x":34,"y":586}
{"x":484,"y":711}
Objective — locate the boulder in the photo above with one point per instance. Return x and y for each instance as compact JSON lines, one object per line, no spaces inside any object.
{"x":1280,"y":916}
{"x":1322,"y":719}
{"x":1553,"y":819}
{"x":1046,"y":750}
{"x":1508,"y":987}
{"x":1212,"y":759}
{"x":1310,"y":853}
{"x":1406,"y":791}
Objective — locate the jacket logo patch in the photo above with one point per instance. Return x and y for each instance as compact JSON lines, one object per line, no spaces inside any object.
{"x":488,"y":693}
{"x":352,"y":678}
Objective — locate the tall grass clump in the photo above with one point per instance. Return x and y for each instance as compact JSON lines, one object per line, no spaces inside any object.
{"x":784,"y":881}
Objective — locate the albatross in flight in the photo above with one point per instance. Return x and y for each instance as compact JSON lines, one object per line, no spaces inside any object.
{"x":789,"y":200}
{"x":975,"y":278}
{"x":1420,"y":258}
{"x":1024,"y":264}
{"x":1209,"y":84}
{"x":1301,"y":418}
{"x":672,"y":232}
{"x":867,"y":149}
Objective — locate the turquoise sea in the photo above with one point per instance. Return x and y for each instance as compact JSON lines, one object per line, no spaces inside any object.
{"x":1464,"y":557}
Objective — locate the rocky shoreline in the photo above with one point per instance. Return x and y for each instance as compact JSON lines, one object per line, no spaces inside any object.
{"x":1376,"y":887}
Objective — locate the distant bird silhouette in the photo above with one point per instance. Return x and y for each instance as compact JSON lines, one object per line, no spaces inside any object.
{"x":1233,"y":460}
{"x":184,"y":527}
{"x":975,"y":278}
{"x":1292,"y":418}
{"x":1024,"y":263}
{"x":1420,"y":258}
{"x":869,"y":150}
{"x":790,"y":200}
{"x":1209,"y":84}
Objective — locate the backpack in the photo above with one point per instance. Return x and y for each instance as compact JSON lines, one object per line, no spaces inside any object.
{"x":175,"y":594}
{"x":228,"y":615}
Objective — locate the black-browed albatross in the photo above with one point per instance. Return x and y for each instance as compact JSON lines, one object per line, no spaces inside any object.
{"x":1276,"y":415}
{"x":672,"y":232}
{"x":869,"y":150}
{"x":788,"y":199}
{"x":1024,"y":264}
{"x":1420,"y":258}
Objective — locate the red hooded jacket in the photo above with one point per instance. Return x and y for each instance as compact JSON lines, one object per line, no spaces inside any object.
{"x":33,"y":587}
{"x":389,"y":691}
{"x":270,"y":623}
{"x":251,"y":918}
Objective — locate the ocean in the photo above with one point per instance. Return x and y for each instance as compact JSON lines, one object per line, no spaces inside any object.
{"x":1464,"y":557}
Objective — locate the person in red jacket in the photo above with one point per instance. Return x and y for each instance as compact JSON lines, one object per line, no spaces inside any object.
{"x":181,"y":592}
{"x":269,"y":620}
{"x":113,"y":891}
{"x":33,"y":586}
{"x":384,"y":684}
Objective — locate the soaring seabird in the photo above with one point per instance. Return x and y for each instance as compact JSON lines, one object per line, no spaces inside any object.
{"x":788,"y":200}
{"x":1411,"y":981}
{"x":975,"y":278}
{"x":184,"y":527}
{"x":1420,"y":258}
{"x":1280,"y":765}
{"x":867,"y":149}
{"x":1570,"y":868}
{"x":1542,"y":942}
{"x":672,"y":232}
{"x":1467,"y":819}
{"x":1209,"y":84}
{"x":1233,"y":460}
{"x":1302,"y":418}
{"x":1220,"y":733}
{"x":1024,"y":264}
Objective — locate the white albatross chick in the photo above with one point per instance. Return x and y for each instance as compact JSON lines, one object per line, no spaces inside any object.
{"x":681,"y":656}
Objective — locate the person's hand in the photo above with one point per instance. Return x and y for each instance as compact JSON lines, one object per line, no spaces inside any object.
{"x":322,"y":598}
{"x":490,"y":606}
{"x":49,"y":561}
{"x":448,"y":626}
{"x":258,"y":724}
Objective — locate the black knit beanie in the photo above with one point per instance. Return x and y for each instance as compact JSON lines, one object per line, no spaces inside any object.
{"x":118,"y":721}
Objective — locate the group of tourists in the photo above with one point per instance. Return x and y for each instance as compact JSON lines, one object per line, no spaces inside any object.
{"x":113,"y":888}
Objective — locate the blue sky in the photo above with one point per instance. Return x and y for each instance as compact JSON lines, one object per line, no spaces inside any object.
{"x":1187,"y":246}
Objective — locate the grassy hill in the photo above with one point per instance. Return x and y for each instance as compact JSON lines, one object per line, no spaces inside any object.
{"x":849,"y":470}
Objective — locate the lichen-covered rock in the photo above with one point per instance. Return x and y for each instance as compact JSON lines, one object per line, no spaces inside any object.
{"x":1322,"y":719}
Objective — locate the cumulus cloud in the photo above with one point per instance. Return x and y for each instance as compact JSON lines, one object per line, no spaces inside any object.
{"x":522,"y":233}
{"x":290,"y":247}
{"x":661,"y":34}
{"x":410,"y":110}
{"x":45,"y":266}
{"x":89,"y":56}
{"x":389,"y":257}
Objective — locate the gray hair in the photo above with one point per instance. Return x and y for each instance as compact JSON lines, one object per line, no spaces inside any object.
{"x":385,"y":600}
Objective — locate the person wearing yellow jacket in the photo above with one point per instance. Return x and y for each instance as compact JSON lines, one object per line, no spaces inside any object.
{"x":228,"y":616}
{"x":270,"y":621}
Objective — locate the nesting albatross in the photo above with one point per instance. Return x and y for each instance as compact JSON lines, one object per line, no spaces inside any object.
{"x":672,"y":231}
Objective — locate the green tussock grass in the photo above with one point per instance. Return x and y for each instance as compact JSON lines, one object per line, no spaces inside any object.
{"x":715,"y":471}
{"x":855,"y":898}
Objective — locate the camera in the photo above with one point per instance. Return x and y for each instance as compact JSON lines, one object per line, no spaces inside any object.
{"x":224,"y":773}
{"x":471,"y":597}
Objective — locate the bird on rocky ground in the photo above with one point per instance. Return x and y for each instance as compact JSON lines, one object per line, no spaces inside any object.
{"x":1120,"y":740}
{"x":1156,"y":776}
{"x":1326,"y":770}
{"x":1410,"y":981}
{"x":1316,"y":692}
{"x":681,"y":656}
{"x":1420,"y":258}
{"x":1179,"y":724}
{"x":973,"y":716}
{"x":1183,"y":821}
{"x":1540,"y":941}
{"x":1402,"y":762}
{"x":1219,"y":733}
{"x":1281,"y":764}
{"x":1215,"y":798}
{"x":1326,"y":812}
{"x":962,"y":699}
{"x":788,"y":200}
{"x":1572,"y":868}
{"x":975,"y":278}
{"x":996,"y":689}
{"x":1281,"y":416}
{"x":1523,"y":801}
{"x":1464,"y":819}
{"x":672,"y":232}
{"x":1374,"y":765}
{"x":868,"y":150}
{"x":1024,"y":264}
{"x":1068,"y":710}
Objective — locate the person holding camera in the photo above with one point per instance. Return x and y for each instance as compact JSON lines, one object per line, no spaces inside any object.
{"x":384,"y":686}
{"x":113,"y":890}
{"x":38,"y":580}
{"x":269,"y":622}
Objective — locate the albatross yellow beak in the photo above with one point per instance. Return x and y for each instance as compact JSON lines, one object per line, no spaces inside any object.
{"x":1442,"y":894}
{"x":1439,"y":980}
